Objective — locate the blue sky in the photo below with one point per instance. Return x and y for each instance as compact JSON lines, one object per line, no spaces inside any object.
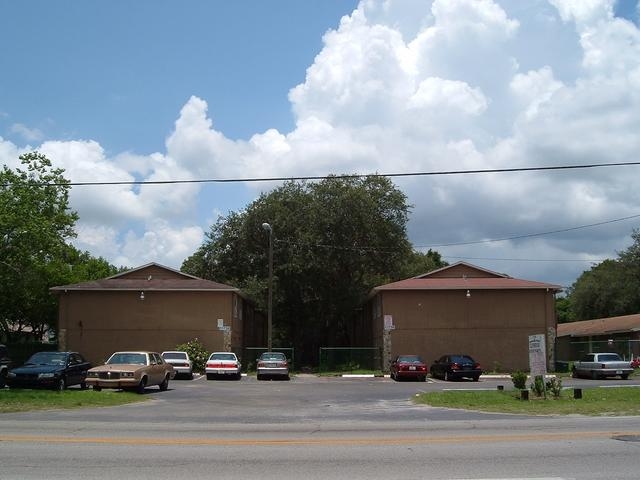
{"x":119,"y":71}
{"x":154,"y":90}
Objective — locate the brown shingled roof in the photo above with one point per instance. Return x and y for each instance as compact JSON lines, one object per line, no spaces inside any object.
{"x":600,"y":326}
{"x":474,"y":278}
{"x":466,"y":284}
{"x":135,"y":280}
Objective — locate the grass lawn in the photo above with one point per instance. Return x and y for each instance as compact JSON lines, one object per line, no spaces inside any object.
{"x":594,"y":401}
{"x":25,"y":400}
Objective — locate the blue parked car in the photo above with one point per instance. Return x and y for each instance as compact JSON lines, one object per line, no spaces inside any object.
{"x":56,"y":370}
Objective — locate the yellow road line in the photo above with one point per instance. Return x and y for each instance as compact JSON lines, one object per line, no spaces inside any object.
{"x":532,"y":437}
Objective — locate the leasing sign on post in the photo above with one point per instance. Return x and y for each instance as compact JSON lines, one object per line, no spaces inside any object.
{"x":537,"y":355}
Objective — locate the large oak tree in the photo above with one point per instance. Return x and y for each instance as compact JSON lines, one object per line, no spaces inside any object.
{"x":334,"y":240}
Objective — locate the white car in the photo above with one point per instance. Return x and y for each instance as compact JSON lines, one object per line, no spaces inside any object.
{"x":223,"y":364}
{"x":180,"y":361}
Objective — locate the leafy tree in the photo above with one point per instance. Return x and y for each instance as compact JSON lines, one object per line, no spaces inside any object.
{"x":609,"y":289}
{"x":563,"y":310}
{"x":35,"y":225}
{"x":333,"y":241}
{"x":417,"y":263}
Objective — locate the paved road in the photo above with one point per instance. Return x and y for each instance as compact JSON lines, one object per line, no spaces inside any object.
{"x":312,"y":428}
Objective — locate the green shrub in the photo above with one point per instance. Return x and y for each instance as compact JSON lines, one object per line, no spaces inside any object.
{"x":537,"y":387}
{"x":197,"y":353}
{"x":519,"y":380}
{"x":554,"y":385}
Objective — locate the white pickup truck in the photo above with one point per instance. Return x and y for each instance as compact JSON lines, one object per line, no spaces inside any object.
{"x":597,"y":365}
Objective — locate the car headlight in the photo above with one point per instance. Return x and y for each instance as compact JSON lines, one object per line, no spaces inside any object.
{"x":92,"y":374}
{"x":46,"y":375}
{"x":127,"y":375}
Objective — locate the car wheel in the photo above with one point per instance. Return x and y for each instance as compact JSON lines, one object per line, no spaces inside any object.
{"x":83,"y":385}
{"x":142,"y":385}
{"x":165,"y":384}
{"x":594,"y":376}
{"x":96,"y":388}
{"x":190,"y":376}
{"x":3,"y":378}
{"x":238,"y":376}
{"x":422,"y":378}
{"x":60,"y":385}
{"x":475,"y":379}
{"x":209,"y":376}
{"x":574,"y":373}
{"x":445,"y":377}
{"x":259,"y":377}
{"x":624,"y":377}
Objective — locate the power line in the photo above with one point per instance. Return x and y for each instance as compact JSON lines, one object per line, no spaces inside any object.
{"x":345,"y":176}
{"x":528,"y":235}
{"x":591,"y":260}
{"x":364,"y":248}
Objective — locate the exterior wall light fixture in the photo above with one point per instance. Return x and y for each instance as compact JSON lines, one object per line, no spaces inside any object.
{"x":141,"y":295}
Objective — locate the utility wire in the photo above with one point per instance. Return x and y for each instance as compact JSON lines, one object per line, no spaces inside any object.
{"x":346,"y":176}
{"x":528,"y":235}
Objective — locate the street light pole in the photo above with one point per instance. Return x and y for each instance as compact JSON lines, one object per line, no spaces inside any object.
{"x":268,"y":228}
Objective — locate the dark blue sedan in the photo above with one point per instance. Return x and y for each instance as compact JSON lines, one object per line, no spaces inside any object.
{"x":56,"y":370}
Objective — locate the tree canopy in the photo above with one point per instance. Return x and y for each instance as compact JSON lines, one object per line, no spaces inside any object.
{"x":35,"y":227}
{"x":333,"y":241}
{"x":609,"y":289}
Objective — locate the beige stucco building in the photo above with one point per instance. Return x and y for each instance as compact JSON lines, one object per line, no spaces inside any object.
{"x":461,"y":308}
{"x":154,"y":307}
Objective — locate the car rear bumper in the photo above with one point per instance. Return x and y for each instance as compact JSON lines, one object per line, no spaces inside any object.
{"x":222,"y":371}
{"x":182,"y":370}
{"x":272,"y":371}
{"x":465,"y":373}
{"x":411,"y":373}
{"x":611,"y":372}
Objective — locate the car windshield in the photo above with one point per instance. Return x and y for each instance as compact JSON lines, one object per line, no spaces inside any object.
{"x":174,"y":356}
{"x":610,"y":357}
{"x":272,"y":356}
{"x":222,"y":356}
{"x":48,"y":358}
{"x":127,"y":358}
{"x":461,"y":359}
{"x":410,"y":359}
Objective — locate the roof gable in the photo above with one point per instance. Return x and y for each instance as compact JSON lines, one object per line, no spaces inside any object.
{"x":464,"y":276}
{"x":150,"y":271}
{"x":462,"y":270}
{"x":149,"y":277}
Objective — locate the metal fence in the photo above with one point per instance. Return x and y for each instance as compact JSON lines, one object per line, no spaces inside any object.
{"x":627,"y":349}
{"x":349,"y":359}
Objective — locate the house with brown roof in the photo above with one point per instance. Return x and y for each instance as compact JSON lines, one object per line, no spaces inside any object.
{"x":155,"y":308}
{"x":461,"y":308}
{"x":613,"y":334}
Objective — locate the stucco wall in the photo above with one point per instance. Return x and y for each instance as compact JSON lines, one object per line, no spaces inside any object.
{"x":99,"y":323}
{"x":491,"y":325}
